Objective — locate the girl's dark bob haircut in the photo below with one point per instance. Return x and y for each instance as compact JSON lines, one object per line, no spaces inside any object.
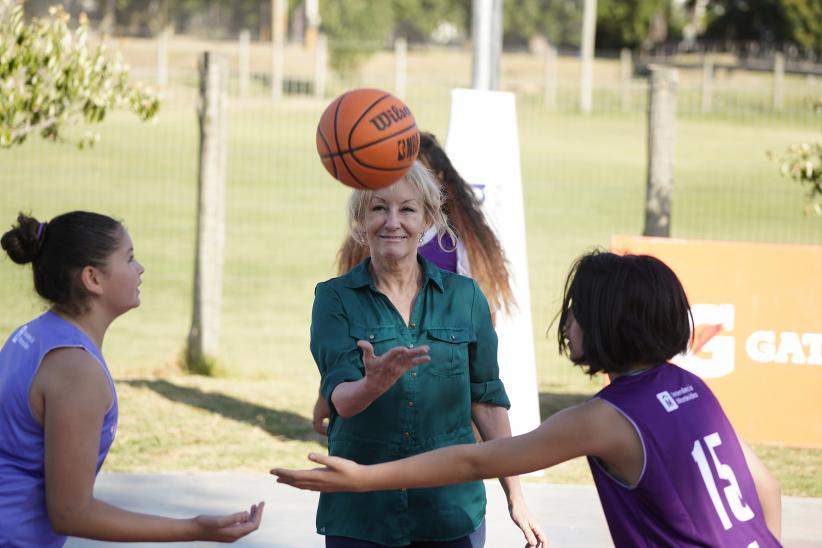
{"x":632,"y":310}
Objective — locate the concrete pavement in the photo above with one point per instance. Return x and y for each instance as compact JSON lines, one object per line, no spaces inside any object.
{"x":570,"y":514}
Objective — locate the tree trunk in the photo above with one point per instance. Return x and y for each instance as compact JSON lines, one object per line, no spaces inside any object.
{"x":203,"y":340}
{"x":661,"y":129}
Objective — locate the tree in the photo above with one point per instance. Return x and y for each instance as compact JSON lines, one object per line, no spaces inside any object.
{"x":803,"y":163}
{"x":417,"y":19}
{"x":628,"y":23}
{"x":50,"y":78}
{"x":772,"y":21}
{"x":559,"y":21}
{"x":356,"y":28}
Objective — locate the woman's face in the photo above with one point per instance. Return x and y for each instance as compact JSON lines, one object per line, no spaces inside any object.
{"x":394,"y":221}
{"x":574,"y":334}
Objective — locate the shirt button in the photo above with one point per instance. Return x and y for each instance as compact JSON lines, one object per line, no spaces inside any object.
{"x":410,"y":404}
{"x":452,"y":337}
{"x":371,"y":337}
{"x":406,"y":434}
{"x":413,"y":374}
{"x":411,"y":345}
{"x":412,"y":325}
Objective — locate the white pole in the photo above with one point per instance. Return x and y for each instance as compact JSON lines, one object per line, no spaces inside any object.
{"x":481,"y":36}
{"x":486,"y":34}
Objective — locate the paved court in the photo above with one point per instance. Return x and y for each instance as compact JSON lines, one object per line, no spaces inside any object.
{"x":570,"y":514}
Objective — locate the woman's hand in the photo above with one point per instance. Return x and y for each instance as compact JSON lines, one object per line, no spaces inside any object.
{"x":231,"y":527}
{"x":381,"y":372}
{"x":522,"y":518}
{"x":338,"y":475}
{"x":320,"y":416}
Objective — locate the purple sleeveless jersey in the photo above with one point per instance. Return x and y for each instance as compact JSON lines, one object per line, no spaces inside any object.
{"x":23,"y":518}
{"x":696,"y":488}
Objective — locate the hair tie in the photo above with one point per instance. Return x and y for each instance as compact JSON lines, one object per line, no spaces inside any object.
{"x":40,"y":229}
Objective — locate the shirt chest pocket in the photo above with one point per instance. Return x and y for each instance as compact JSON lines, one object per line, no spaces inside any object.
{"x":382,"y":339}
{"x":448,"y":351}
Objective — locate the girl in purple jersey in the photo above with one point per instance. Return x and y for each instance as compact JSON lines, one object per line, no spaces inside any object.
{"x":668,"y":466}
{"x":58,"y":406}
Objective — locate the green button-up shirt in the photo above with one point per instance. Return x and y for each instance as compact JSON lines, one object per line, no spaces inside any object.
{"x":427,"y":408}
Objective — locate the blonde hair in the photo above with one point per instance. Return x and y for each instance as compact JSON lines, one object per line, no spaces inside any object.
{"x":424,"y":181}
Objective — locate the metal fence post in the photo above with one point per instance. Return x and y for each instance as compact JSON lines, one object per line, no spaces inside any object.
{"x":243,"y":69}
{"x":778,"y":80}
{"x":549,"y":97}
{"x":400,"y":66}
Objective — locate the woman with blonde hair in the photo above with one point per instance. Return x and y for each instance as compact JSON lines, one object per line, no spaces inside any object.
{"x":407,"y":355}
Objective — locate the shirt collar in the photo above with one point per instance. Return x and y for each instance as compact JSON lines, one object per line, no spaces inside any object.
{"x":360,"y":276}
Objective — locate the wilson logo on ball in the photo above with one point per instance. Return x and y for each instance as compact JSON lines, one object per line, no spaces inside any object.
{"x":386,"y":118}
{"x":367,"y":139}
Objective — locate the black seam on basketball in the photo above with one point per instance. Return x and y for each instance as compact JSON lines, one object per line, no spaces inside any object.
{"x":354,"y":176}
{"x":366,"y":111}
{"x":337,"y":111}
{"x":351,"y":151}
{"x":337,"y":139}
{"x":325,"y":142}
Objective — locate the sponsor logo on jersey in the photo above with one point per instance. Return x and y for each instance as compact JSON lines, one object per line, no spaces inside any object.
{"x":671,"y":401}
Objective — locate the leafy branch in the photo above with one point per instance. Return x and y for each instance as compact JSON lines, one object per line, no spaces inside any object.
{"x":803,"y":163}
{"x":50,"y":78}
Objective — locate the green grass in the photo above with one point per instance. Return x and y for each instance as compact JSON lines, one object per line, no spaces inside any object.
{"x":583,"y":181}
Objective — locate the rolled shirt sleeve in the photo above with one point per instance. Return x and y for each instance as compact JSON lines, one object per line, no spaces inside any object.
{"x":486,"y":386}
{"x":335,"y":351}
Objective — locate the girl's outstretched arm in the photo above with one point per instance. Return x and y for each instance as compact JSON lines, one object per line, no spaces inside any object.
{"x":75,"y":395}
{"x":585,"y":429}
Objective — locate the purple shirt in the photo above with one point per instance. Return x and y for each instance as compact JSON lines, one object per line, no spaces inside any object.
{"x":444,"y":256}
{"x":23,"y":517}
{"x":695,"y":488}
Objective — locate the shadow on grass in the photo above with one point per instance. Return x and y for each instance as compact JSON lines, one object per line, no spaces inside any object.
{"x":276,"y":423}
{"x":551,"y":402}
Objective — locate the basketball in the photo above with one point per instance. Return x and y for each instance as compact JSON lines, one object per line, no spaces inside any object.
{"x":367,"y":139}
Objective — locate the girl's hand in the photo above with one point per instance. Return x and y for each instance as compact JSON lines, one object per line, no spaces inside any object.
{"x":521,"y":516}
{"x":231,"y":527}
{"x":338,"y":475}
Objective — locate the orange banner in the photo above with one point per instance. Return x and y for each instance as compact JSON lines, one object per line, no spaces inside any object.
{"x":758,"y":330}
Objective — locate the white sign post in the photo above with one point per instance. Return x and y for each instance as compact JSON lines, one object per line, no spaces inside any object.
{"x":483,"y":146}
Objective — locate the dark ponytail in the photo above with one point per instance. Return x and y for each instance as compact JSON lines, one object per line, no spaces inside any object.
{"x":59,"y":250}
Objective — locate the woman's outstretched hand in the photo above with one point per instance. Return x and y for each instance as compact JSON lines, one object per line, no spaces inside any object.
{"x":381,"y":372}
{"x":338,"y":474}
{"x":231,"y":527}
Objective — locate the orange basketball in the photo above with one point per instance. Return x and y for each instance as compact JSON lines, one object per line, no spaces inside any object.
{"x":367,"y":139}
